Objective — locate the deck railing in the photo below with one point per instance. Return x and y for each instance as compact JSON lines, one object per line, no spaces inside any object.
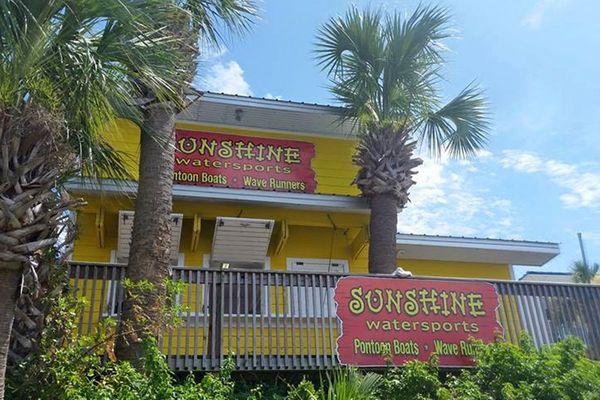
{"x":277,"y":320}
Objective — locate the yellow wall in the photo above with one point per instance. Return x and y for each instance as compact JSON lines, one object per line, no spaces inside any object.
{"x":311,"y":236}
{"x":332,"y":162}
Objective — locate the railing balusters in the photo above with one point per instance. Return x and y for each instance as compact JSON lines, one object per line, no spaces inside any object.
{"x":92,"y":302}
{"x":330,"y":317}
{"x":594,"y":296}
{"x":188,"y":321}
{"x":221,"y":317}
{"x":314,"y":319}
{"x":295,"y":313}
{"x":213,"y":317}
{"x":238,"y":316}
{"x":230,"y":318}
{"x":515,"y":320}
{"x":541,"y":305}
{"x":324,"y":315}
{"x":571,"y":317}
{"x":84,"y":294}
{"x":276,"y":289}
{"x":288,"y":319}
{"x":246,"y":320}
{"x":284,"y":304}
{"x":269,"y":317}
{"x":177,"y":274}
{"x":197,"y":307}
{"x":503,"y":312}
{"x":545,"y":313}
{"x":205,"y":318}
{"x":102,"y":292}
{"x":538,"y":328}
{"x":254,"y":311}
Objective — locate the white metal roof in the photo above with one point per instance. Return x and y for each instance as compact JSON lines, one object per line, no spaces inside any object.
{"x":548,"y":276}
{"x":467,"y":249}
{"x":267,"y":115}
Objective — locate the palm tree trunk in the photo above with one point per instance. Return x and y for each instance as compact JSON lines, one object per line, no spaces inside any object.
{"x":149,"y":255}
{"x":10,"y":276}
{"x":382,"y":227}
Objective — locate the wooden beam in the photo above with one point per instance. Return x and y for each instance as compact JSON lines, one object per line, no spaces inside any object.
{"x":360,"y":242}
{"x":100,"y":231}
{"x":196,"y":229}
{"x":280,"y":236}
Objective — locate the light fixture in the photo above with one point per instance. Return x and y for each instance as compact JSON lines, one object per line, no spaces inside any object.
{"x":225,"y":266}
{"x":238,"y":114}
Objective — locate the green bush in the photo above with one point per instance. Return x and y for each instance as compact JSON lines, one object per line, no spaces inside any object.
{"x":69,"y":367}
{"x":415,"y":380}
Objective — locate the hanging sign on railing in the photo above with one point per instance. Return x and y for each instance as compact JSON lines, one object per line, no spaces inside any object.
{"x":397,"y":320}
{"x":244,"y":162}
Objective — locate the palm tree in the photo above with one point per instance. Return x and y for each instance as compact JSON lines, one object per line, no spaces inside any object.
{"x":149,"y":254}
{"x":67,"y":69}
{"x":584,"y":273}
{"x":385,"y":70}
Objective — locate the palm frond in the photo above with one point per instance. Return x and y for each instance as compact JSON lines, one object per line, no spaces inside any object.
{"x":86,"y":61}
{"x":414,"y":54}
{"x":583,"y":273}
{"x":388,"y":69}
{"x":212,"y":18}
{"x":350,"y":384}
{"x":461,"y":127}
{"x":349,"y":47}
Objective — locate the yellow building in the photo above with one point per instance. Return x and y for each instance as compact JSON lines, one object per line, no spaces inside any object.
{"x":265,"y":185}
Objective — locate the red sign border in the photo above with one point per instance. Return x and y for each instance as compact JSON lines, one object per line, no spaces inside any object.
{"x":337,"y":353}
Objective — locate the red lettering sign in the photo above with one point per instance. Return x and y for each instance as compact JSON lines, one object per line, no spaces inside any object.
{"x":409,"y":319}
{"x":244,"y":162}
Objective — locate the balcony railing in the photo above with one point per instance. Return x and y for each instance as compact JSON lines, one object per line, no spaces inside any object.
{"x":278,"y":320}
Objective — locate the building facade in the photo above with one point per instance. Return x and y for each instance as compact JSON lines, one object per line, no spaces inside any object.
{"x":288,"y":168}
{"x":265,"y":222}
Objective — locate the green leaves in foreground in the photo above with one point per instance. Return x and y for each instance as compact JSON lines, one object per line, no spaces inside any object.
{"x":68,"y":370}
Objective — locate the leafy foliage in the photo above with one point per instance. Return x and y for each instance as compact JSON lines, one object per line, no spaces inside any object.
{"x":583,"y":273}
{"x":83,"y":62}
{"x":75,"y":368}
{"x":416,"y":380}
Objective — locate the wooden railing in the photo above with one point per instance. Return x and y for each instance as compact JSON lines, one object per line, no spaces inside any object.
{"x":277,"y":320}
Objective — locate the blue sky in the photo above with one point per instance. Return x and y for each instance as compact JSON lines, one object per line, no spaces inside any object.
{"x":539,"y":62}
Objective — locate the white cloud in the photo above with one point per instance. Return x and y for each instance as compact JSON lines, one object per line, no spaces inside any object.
{"x":535,"y":18}
{"x":227,"y":78}
{"x":271,"y":96}
{"x":521,"y":161}
{"x":445,"y":202}
{"x":582,"y":185}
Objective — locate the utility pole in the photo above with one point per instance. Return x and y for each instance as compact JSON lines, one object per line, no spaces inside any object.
{"x":583,"y":257}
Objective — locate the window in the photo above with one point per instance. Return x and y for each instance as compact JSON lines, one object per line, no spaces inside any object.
{"x":314,"y":301}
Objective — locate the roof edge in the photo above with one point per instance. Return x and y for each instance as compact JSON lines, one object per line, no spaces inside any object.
{"x":461,"y":240}
{"x":263,"y":102}
{"x":315,"y":201}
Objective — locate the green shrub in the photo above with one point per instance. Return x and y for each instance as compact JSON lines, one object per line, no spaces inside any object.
{"x":349,"y":384}
{"x":414,"y":380}
{"x":305,"y":390}
{"x":70,"y":367}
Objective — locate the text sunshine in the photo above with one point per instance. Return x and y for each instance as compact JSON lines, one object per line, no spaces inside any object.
{"x":413,"y":302}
